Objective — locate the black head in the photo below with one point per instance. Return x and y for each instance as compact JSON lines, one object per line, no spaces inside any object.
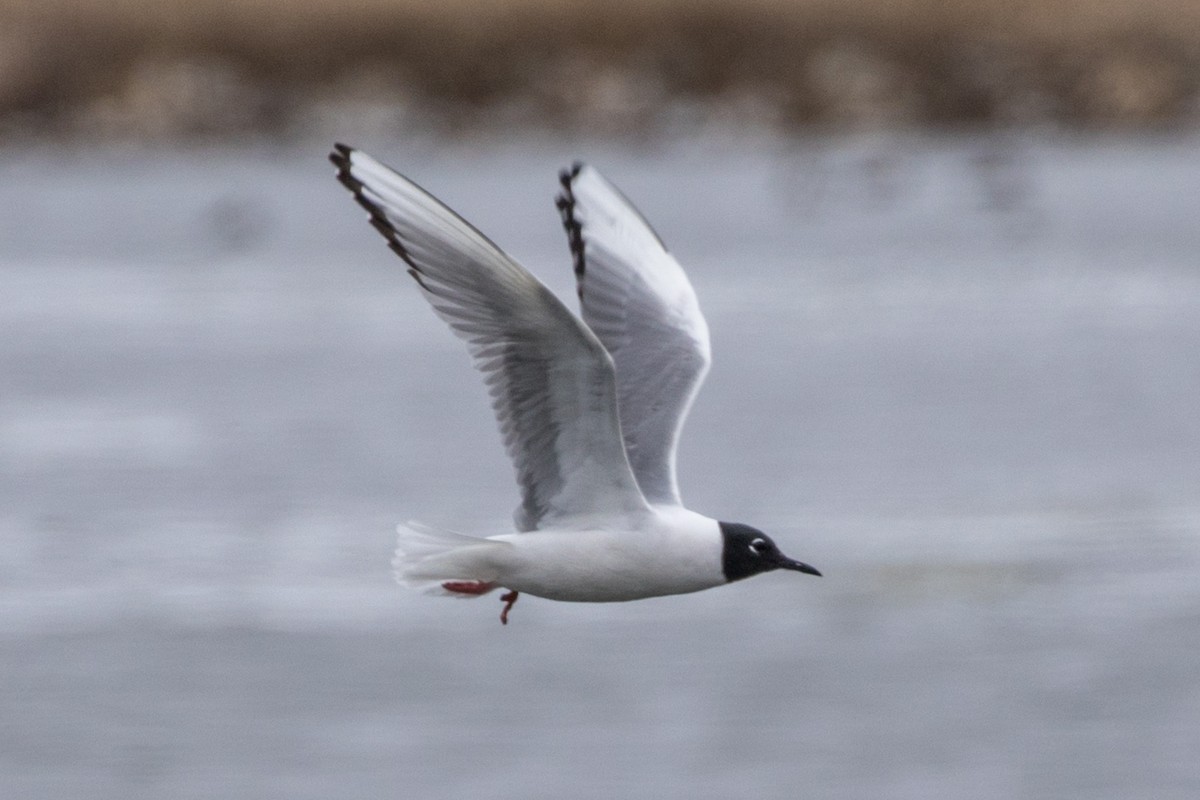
{"x":748,"y":551}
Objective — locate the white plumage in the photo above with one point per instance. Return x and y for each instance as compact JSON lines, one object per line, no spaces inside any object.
{"x":590,"y":413}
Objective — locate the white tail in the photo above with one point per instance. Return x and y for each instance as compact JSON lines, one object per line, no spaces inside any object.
{"x":426,"y":558}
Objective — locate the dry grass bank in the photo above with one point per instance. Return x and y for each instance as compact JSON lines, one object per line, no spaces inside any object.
{"x":217,"y":67}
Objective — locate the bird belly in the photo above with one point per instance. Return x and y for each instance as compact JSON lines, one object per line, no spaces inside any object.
{"x":604,"y":567}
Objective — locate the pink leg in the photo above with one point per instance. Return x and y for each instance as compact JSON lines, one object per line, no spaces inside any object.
{"x":509,"y":599}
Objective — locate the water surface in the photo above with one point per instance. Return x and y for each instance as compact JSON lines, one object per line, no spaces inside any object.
{"x":959,"y":376}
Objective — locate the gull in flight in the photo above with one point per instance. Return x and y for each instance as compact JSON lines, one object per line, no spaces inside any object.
{"x":590,"y":410}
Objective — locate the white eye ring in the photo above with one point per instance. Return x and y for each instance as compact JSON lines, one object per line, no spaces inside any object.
{"x":758,"y":545}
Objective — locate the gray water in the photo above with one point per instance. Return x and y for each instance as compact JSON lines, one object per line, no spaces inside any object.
{"x":958,"y":375}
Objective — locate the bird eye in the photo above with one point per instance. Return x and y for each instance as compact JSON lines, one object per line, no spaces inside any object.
{"x":758,"y":546}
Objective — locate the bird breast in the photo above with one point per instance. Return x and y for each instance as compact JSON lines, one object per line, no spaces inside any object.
{"x":605,"y":565}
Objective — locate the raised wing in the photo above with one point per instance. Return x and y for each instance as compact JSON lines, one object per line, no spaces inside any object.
{"x":638,"y":300}
{"x":550,"y":379}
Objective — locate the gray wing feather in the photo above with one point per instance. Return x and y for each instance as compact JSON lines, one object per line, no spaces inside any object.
{"x":551,"y":381}
{"x":636,"y":298}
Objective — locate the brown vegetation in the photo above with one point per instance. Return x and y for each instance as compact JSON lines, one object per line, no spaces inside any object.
{"x":188,"y":67}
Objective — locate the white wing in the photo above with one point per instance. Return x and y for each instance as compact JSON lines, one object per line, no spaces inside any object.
{"x":638,"y":300}
{"x":550,"y":379}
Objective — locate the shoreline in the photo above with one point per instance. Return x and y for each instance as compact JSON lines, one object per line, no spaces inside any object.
{"x":178,"y":70}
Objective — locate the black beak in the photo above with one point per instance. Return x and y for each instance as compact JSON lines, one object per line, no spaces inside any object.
{"x":798,"y":566}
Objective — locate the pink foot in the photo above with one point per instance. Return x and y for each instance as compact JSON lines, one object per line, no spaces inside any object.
{"x":509,"y":599}
{"x":468,"y":587}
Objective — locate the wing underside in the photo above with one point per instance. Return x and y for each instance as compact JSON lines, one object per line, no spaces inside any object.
{"x":550,"y":379}
{"x":636,"y":298}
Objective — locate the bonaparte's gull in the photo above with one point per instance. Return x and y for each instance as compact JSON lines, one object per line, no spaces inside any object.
{"x":590,"y":413}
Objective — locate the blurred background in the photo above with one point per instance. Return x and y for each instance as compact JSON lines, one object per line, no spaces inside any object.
{"x":950,"y":258}
{"x":220,"y":68}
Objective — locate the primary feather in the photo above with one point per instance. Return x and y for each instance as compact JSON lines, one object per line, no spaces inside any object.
{"x":551,"y":380}
{"x":636,"y":298}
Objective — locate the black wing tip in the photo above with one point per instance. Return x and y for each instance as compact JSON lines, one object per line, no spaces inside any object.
{"x":569,"y":174}
{"x":341,"y":159}
{"x":566,"y":207}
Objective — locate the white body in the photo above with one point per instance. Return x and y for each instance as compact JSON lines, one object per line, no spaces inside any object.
{"x":669,"y":551}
